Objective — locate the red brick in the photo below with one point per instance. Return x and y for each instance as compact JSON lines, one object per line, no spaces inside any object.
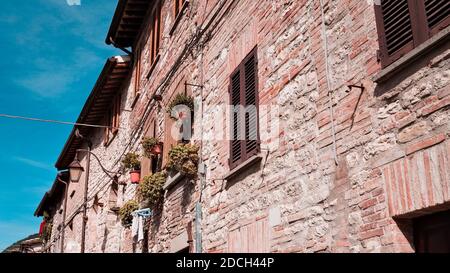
{"x":371,"y":234}
{"x":425,"y":143}
{"x":435,"y":107}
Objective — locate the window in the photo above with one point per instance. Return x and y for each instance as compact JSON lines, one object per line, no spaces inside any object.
{"x":405,"y":24}
{"x":432,"y":233}
{"x":151,"y":165}
{"x":113,"y":120}
{"x":155,"y":34}
{"x":244,"y":100}
{"x":178,"y":7}
{"x":137,"y":69}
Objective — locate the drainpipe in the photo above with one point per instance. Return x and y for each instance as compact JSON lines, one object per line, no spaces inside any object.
{"x":66,"y":189}
{"x":86,"y":184}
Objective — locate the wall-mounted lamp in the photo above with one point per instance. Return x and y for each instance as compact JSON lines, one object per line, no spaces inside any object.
{"x":75,"y":170}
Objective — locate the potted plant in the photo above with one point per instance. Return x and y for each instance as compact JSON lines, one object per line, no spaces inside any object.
{"x":125,"y":212}
{"x":181,"y":99}
{"x":151,"y":190}
{"x":131,"y":162}
{"x":183,"y":158}
{"x":152,"y":146}
{"x":45,"y":230}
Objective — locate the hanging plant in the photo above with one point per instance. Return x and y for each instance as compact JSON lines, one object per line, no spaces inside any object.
{"x":45,"y":231}
{"x":150,"y":189}
{"x":184,"y":158}
{"x":131,"y":162}
{"x":152,"y":146}
{"x":125,"y":212}
{"x":181,"y":99}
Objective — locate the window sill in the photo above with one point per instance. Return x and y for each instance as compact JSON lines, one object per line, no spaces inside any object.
{"x":178,"y":18}
{"x":419,"y":51}
{"x":172,"y":180}
{"x":244,"y":166}
{"x":152,"y":68}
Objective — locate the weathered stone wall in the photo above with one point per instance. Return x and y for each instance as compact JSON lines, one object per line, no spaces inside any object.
{"x":391,"y":139}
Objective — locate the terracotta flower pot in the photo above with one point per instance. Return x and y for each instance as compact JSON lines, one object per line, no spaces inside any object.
{"x":135,"y":177}
{"x":157,"y":149}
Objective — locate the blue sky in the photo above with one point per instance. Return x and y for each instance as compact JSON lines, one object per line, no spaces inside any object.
{"x":52,"y":54}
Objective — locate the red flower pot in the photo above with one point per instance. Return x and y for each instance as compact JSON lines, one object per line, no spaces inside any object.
{"x":135,"y":177}
{"x":157,"y":149}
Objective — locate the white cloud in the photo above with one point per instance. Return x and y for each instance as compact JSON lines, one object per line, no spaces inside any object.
{"x":34,"y":163}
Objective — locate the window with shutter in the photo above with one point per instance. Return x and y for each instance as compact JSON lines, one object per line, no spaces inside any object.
{"x":437,"y":13}
{"x":405,"y":24}
{"x":137,"y":69}
{"x":244,"y":101}
{"x":155,"y":33}
{"x":113,"y":120}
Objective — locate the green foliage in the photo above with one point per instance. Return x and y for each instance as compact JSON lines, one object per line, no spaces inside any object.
{"x":148,"y":143}
{"x":151,"y":188}
{"x":184,"y":159}
{"x":181,"y":99}
{"x":125,"y":212}
{"x":131,"y":162}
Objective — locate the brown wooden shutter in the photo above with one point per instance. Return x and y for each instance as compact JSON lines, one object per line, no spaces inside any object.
{"x":405,"y":24}
{"x":244,"y":99}
{"x":395,"y":30}
{"x":236,"y":138}
{"x":251,"y":104}
{"x":437,"y":14}
{"x":137,"y":61}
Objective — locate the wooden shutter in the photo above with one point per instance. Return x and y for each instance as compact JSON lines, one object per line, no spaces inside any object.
{"x":245,"y":127}
{"x":107,"y":129}
{"x":405,"y":24}
{"x":236,"y":138}
{"x":137,"y":62}
{"x":437,"y":14}
{"x":395,"y":30}
{"x":251,"y":104}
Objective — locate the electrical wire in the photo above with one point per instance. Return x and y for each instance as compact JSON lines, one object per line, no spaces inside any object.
{"x":56,"y":121}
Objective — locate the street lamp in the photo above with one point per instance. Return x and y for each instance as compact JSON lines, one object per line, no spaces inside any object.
{"x":75,"y":170}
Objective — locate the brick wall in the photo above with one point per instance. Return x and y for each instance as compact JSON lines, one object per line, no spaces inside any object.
{"x":391,"y":138}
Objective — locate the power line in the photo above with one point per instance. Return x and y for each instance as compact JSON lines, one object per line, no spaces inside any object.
{"x":55,"y":121}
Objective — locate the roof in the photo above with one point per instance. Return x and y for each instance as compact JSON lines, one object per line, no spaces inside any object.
{"x":110,"y":81}
{"x":30,"y":240}
{"x":53,"y":195}
{"x":127,"y":21}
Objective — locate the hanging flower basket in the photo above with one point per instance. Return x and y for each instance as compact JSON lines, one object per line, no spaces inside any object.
{"x":152,"y":146}
{"x":182,"y":100}
{"x":131,"y":162}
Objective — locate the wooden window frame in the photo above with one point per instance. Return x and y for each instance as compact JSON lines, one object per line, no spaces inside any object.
{"x":179,"y":6}
{"x":244,"y":154}
{"x":137,"y":74}
{"x":113,"y":120}
{"x":155,"y":36}
{"x":421,"y":31}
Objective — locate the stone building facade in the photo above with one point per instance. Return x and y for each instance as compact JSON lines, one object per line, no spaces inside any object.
{"x":353,"y":150}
